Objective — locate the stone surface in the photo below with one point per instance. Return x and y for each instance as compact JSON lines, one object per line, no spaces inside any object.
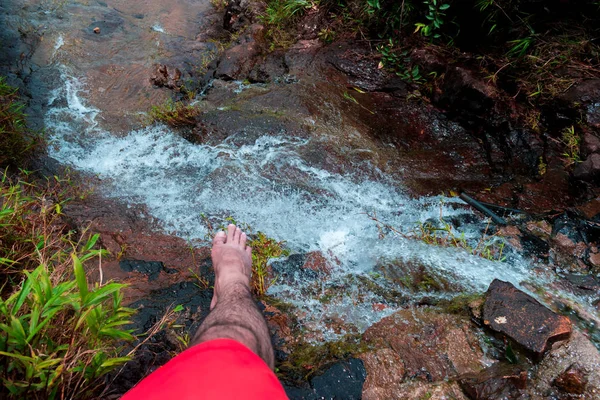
{"x":569,"y":365}
{"x":164,"y":76}
{"x":522,"y":318}
{"x":498,"y":382}
{"x":150,"y":268}
{"x":590,"y":144}
{"x":418,"y":345}
{"x":586,"y":95}
{"x":572,"y":381}
{"x":343,"y":380}
{"x":588,"y":170}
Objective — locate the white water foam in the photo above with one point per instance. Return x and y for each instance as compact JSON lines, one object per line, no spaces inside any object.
{"x":268,"y":185}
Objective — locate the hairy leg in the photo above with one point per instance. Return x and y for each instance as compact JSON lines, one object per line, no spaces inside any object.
{"x":234,"y":314}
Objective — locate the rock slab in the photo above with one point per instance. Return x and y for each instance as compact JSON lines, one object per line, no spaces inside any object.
{"x":522,"y":318}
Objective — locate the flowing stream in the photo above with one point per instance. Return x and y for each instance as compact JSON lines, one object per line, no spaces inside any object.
{"x":253,"y":183}
{"x":264,"y":181}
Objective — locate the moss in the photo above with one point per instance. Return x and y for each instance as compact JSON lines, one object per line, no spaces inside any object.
{"x":307,"y":359}
{"x":460,"y":304}
{"x":174,"y":113}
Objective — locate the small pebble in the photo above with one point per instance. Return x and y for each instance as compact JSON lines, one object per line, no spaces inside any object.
{"x":96,"y":30}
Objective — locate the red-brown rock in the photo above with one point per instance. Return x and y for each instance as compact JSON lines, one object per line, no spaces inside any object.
{"x":572,"y":381}
{"x":500,"y":381}
{"x":522,"y":318}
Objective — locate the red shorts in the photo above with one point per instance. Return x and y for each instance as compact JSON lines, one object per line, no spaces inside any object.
{"x":219,"y":369}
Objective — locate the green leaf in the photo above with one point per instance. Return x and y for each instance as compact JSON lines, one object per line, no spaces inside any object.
{"x":444,"y":7}
{"x":178,"y":308}
{"x":80,"y":278}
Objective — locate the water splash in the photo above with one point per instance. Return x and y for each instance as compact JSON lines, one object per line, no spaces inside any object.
{"x":267,"y":184}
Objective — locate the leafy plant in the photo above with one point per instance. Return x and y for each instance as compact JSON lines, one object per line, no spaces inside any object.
{"x":435,"y":15}
{"x":443,"y":234}
{"x":59,"y":336}
{"x":399,"y":62}
{"x":571,"y":140}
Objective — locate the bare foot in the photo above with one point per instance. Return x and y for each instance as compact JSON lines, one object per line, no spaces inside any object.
{"x":231,"y":259}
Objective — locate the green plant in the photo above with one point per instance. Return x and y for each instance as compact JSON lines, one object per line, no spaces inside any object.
{"x":17,"y":143}
{"x":174,"y":113}
{"x":435,"y":15}
{"x":264,"y":249}
{"x":570,"y":140}
{"x":443,"y":234}
{"x":59,"y":336}
{"x":399,"y":62}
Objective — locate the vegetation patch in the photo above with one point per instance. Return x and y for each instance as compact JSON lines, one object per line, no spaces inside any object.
{"x":264,"y":249}
{"x":17,"y":142}
{"x":60,"y":335}
{"x":175,"y":113}
{"x":442,"y":233}
{"x":306,"y":359}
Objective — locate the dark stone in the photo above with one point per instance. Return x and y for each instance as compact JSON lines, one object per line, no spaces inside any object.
{"x":522,"y":318}
{"x":463,"y":90}
{"x":428,"y":61}
{"x":150,"y":268}
{"x":108,"y":25}
{"x":500,"y":381}
{"x":271,"y":67}
{"x":585,"y":282}
{"x":588,"y":170}
{"x":363,"y":71}
{"x":590,"y":144}
{"x":164,"y":76}
{"x":586,"y":96}
{"x":343,"y":380}
{"x":572,"y":381}
{"x":237,"y":62}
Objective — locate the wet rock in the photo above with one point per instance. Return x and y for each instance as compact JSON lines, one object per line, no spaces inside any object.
{"x":237,"y":62}
{"x":428,"y":60}
{"x":570,"y":367}
{"x":343,"y":380}
{"x":463,"y":90}
{"x":431,"y":348}
{"x":150,"y":268}
{"x":386,"y":373}
{"x":590,"y":144}
{"x":586,"y":96}
{"x":498,"y":382}
{"x":164,"y":76}
{"x":572,"y":381}
{"x":316,"y":261}
{"x":362,"y":70}
{"x":588,"y":284}
{"x":588,"y":170}
{"x":522,"y":318}
{"x":109,"y":24}
{"x":270,"y":68}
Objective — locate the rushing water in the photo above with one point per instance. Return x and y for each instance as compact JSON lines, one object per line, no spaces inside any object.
{"x":264,"y":181}
{"x":267,"y":184}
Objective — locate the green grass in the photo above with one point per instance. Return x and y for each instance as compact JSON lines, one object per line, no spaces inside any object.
{"x":60,"y":334}
{"x":17,"y":142}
